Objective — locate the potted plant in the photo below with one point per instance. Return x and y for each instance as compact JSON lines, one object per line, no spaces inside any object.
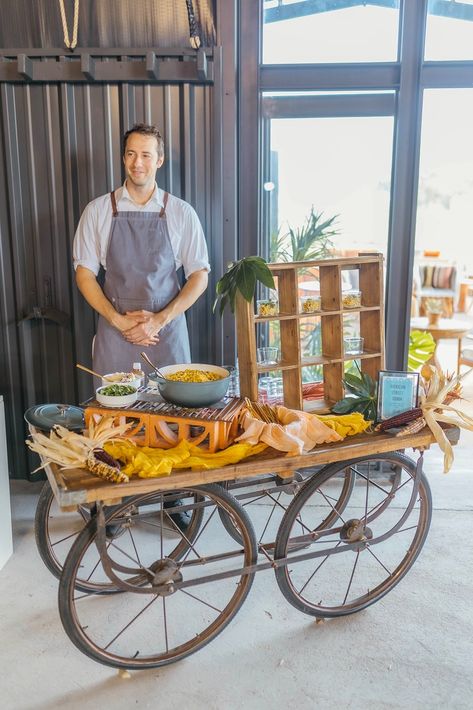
{"x":242,"y":276}
{"x":434,"y":308}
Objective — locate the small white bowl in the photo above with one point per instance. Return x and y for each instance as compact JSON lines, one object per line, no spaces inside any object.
{"x":120,"y":378}
{"x":116,"y":400}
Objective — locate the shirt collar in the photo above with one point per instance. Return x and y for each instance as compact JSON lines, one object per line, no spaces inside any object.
{"x":157,"y":196}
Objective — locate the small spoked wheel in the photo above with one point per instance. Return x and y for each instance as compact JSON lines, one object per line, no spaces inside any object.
{"x":171,"y":607}
{"x":56,"y":531}
{"x":365,"y":546}
{"x":268,"y":500}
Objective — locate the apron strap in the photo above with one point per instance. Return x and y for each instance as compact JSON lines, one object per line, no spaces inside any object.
{"x":165,"y":202}
{"x":114,"y":203}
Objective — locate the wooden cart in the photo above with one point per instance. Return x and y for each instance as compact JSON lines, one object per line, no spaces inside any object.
{"x":135,"y":592}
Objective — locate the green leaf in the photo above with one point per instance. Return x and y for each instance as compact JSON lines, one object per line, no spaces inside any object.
{"x":263,"y":274}
{"x":421,"y":348}
{"x":344,"y":406}
{"x":246,"y":281}
{"x":356,"y":385}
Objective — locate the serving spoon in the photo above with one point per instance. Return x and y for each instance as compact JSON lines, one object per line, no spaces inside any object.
{"x":156,"y":369}
{"x":91,"y":372}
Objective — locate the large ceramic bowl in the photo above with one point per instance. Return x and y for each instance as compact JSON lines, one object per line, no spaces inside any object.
{"x":191,"y":394}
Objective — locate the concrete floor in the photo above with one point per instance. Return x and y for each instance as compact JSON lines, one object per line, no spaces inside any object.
{"x":413,"y":649}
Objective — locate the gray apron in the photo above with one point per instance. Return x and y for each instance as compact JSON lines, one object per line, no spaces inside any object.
{"x":141,"y":274}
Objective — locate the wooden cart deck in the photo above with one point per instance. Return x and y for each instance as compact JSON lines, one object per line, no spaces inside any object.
{"x":77,"y":486}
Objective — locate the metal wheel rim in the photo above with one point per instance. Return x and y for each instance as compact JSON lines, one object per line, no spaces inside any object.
{"x":293,"y":594}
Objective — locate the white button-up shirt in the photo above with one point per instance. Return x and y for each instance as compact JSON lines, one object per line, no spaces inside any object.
{"x":185,"y":231}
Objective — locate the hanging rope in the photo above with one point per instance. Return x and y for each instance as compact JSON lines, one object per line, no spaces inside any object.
{"x":194,"y":37}
{"x":70,"y":45}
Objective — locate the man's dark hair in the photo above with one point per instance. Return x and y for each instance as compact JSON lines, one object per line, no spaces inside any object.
{"x":146,"y":130}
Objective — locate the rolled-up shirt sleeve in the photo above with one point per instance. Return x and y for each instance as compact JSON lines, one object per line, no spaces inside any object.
{"x":86,"y":246}
{"x":193,"y":248}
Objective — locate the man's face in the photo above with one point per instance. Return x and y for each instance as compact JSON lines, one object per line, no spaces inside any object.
{"x":141,"y":159}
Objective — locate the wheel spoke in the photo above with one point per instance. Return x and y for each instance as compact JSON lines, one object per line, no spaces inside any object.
{"x":276,"y":502}
{"x":317,"y":569}
{"x":202,"y":601}
{"x":68,"y":537}
{"x":127,"y":626}
{"x":333,"y":507}
{"x":351,"y":577}
{"x":378,"y":560}
{"x":165,"y":619}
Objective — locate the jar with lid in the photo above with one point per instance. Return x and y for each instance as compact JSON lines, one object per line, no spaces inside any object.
{"x":138,"y":374}
{"x":267,"y":307}
{"x":351,"y":299}
{"x":310,"y":304}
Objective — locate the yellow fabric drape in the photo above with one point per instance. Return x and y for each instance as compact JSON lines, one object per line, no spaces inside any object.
{"x":147,"y":462}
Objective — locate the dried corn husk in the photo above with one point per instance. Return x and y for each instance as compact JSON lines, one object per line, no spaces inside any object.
{"x":69,"y":449}
{"x":438,"y":390}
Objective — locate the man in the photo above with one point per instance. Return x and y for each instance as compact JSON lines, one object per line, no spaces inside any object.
{"x":141,"y":235}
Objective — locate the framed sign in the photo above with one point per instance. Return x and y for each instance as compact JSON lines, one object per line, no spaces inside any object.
{"x":397,"y":392}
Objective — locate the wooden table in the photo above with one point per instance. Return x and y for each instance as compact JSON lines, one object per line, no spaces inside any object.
{"x":446,"y":329}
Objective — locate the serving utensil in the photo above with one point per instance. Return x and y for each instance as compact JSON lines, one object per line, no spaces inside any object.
{"x":156,"y":369}
{"x":91,"y":372}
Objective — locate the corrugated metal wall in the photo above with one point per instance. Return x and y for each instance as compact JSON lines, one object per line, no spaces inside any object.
{"x":60,"y":148}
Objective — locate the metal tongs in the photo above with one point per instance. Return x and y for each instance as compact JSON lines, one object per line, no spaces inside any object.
{"x":156,"y":369}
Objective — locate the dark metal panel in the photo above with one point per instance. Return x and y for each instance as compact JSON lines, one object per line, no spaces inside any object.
{"x":104,"y":23}
{"x":361,"y":76}
{"x":123,"y":69}
{"x":404,"y":185}
{"x":61,"y":149}
{"x":329,"y":106}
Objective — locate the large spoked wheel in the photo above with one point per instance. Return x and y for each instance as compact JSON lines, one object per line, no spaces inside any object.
{"x":158,"y":621}
{"x":343,"y":580}
{"x":56,"y":531}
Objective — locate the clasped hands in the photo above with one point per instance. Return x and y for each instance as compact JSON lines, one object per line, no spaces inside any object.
{"x":142,"y":327}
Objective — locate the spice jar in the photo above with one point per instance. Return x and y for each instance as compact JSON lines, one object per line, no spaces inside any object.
{"x":351,"y":299}
{"x":267,"y":307}
{"x":310,"y":304}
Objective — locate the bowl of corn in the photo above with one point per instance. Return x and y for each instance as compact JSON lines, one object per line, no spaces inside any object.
{"x":191,"y":385}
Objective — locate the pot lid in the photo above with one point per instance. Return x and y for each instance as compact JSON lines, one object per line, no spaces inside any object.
{"x":45,"y":416}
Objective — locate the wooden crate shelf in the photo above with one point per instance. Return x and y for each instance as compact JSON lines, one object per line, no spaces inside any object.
{"x":332,"y":315}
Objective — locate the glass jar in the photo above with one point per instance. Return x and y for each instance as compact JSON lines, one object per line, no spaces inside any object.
{"x":353,"y":345}
{"x":267,"y":307}
{"x":351,"y":299}
{"x":310,"y":304}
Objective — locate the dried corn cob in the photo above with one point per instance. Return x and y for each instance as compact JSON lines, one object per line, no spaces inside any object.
{"x":413,"y":427}
{"x":400,"y":419}
{"x":104,"y":470}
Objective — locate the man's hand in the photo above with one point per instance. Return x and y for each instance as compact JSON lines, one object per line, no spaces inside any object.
{"x":145,"y":328}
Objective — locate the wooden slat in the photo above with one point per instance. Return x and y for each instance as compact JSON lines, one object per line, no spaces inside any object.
{"x":290,"y":339}
{"x":344,"y":262}
{"x":75,"y":487}
{"x":246,"y":340}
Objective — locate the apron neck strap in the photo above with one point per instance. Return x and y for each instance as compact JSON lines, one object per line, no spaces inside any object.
{"x":165,"y":202}
{"x":114,"y":203}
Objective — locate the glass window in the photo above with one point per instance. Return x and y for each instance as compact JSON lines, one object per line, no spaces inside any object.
{"x":337,"y":167}
{"x":445,"y":200}
{"x":449,"y":31}
{"x":307,"y":31}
